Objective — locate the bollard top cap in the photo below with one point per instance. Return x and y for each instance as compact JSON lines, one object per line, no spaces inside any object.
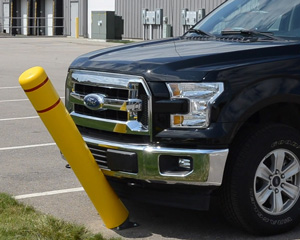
{"x":32,"y":77}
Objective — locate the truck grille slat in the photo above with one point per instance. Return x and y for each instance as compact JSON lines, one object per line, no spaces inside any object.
{"x":98,"y":157}
{"x":114,"y":93}
{"x":101,"y":163}
{"x":97,"y":150}
{"x":107,"y":114}
{"x":99,"y":154}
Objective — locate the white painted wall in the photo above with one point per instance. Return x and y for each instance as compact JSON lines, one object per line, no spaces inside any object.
{"x":74,"y":15}
{"x":49,"y":17}
{"x":24,"y":17}
{"x":98,"y":5}
{"x":6,"y":11}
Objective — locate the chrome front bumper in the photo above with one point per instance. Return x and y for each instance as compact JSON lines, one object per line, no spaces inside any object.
{"x":207,"y":170}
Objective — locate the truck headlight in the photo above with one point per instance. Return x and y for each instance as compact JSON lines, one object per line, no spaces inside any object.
{"x":200,"y":96}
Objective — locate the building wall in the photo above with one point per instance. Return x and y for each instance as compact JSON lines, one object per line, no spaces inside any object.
{"x":131,"y":12}
{"x":24,"y":17}
{"x":49,"y":17}
{"x":2,"y":17}
{"x":33,"y":17}
{"x":82,"y":15}
{"x":98,"y":5}
{"x":85,"y":7}
{"x":48,"y":8}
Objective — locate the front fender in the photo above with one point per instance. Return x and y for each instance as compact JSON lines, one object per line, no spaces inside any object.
{"x":258,"y":96}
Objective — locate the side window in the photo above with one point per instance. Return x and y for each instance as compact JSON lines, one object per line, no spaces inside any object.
{"x":295,"y":19}
{"x":276,"y":25}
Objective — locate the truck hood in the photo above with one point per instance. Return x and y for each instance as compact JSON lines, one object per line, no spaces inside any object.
{"x":180,"y":60}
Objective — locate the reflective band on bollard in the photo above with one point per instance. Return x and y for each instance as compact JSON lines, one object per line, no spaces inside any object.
{"x":60,"y":125}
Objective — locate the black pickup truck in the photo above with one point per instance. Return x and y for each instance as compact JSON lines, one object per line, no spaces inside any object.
{"x":215,"y":112}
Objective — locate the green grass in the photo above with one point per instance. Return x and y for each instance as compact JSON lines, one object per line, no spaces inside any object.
{"x":18,"y":221}
{"x":120,"y":41}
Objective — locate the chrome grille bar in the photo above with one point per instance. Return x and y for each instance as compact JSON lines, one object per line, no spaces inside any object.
{"x":113,"y":104}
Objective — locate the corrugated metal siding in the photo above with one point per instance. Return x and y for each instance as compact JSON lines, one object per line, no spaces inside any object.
{"x":82,"y":15}
{"x":1,"y":16}
{"x":131,"y":12}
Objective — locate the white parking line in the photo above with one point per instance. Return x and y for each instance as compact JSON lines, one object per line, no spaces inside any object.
{"x":19,"y":100}
{"x":9,"y":87}
{"x":20,"y":118}
{"x":14,"y":100}
{"x":27,"y":146}
{"x":40,"y":194}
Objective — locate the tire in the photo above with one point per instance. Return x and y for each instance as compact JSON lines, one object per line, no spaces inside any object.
{"x":261,"y":187}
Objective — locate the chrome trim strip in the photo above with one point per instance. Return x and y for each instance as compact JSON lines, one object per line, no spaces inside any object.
{"x":103,"y":79}
{"x":208,"y":168}
{"x":109,"y":103}
{"x":129,"y":127}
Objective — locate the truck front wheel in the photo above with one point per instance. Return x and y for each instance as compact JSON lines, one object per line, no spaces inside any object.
{"x":261,"y":185}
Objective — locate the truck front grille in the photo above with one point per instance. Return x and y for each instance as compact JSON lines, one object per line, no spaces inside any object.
{"x":117,"y":103}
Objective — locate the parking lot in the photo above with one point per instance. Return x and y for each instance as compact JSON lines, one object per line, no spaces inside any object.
{"x":32,"y":170}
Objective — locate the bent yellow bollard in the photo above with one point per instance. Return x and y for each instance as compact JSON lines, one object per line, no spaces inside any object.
{"x":59,"y":123}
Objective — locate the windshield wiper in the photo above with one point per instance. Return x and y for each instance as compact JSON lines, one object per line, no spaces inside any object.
{"x":251,"y":33}
{"x":199,"y":32}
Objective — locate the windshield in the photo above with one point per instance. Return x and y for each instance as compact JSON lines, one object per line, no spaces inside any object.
{"x":278,"y":17}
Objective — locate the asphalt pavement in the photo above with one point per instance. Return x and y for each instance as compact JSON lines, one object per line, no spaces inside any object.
{"x":32,"y":170}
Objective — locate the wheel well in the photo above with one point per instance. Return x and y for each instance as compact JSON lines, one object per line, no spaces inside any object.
{"x":282,"y":113}
{"x":285,"y":113}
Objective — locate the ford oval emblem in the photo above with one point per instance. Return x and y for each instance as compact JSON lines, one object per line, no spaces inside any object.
{"x":93,"y":101}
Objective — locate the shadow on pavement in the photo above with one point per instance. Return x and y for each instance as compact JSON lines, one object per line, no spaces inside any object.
{"x":167,"y":222}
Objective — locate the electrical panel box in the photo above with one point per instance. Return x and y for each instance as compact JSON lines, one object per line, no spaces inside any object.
{"x":158,"y":16}
{"x":167,"y":30}
{"x":119,"y":27}
{"x":103,"y":24}
{"x":106,"y":25}
{"x":150,"y":17}
{"x":144,"y":15}
{"x":183,"y":17}
{"x":201,"y":14}
{"x":191,"y":18}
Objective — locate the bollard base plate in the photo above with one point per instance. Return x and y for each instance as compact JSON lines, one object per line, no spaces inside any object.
{"x":127,"y":224}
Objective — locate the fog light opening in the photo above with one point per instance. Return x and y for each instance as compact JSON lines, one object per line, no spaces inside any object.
{"x":175,"y":165}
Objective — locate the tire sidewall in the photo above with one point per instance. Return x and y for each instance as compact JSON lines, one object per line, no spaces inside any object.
{"x":251,"y":155}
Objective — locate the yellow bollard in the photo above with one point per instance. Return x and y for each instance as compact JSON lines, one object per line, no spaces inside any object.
{"x":77,"y":27}
{"x":59,"y":123}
